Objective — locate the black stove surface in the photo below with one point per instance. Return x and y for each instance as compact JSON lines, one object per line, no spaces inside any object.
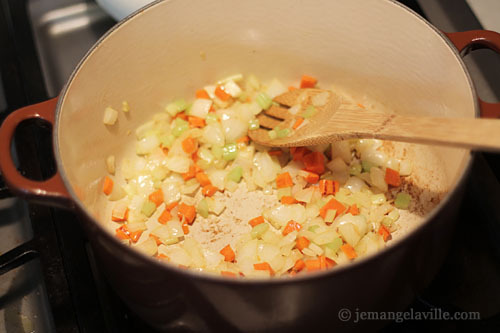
{"x":81,"y":299}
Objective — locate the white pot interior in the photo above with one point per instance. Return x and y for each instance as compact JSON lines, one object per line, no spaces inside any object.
{"x":376,"y":50}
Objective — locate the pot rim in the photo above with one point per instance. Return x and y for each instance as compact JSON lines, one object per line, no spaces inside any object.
{"x":212,"y":278}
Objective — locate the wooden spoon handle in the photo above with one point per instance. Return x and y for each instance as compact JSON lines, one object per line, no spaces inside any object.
{"x":472,"y":133}
{"x":480,"y":134}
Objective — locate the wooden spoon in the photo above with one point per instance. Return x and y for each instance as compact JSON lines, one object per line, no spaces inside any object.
{"x":332,"y":121}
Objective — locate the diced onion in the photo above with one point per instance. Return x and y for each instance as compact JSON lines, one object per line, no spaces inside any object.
{"x":148,"y":247}
{"x":200,"y":108}
{"x":110,"y":164}
{"x":110,"y":116}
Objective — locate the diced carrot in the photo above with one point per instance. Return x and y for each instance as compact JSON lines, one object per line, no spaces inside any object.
{"x":203,"y":179}
{"x":288,"y":200}
{"x":190,"y":174}
{"x":156,"y":197}
{"x":298,"y":122}
{"x":392,"y":177}
{"x":291,"y":226}
{"x":354,"y":210}
{"x":256,"y":221}
{"x":209,"y":190}
{"x":182,"y":115}
{"x":330,"y":263}
{"x":275,"y":152}
{"x":165,"y":217}
{"x":196,"y":122}
{"x":212,"y":110}
{"x":284,"y":180}
{"x":195,"y":157}
{"x":172,"y":205}
{"x":384,"y":232}
{"x":326,"y":262}
{"x":312,"y":178}
{"x":349,"y":251}
{"x":202,"y":94}
{"x":299,"y":265}
{"x":221,"y":94}
{"x":162,"y":256}
{"x":332,"y":204}
{"x":227,"y":273}
{"x":328,"y":186}
{"x":189,"y":145}
{"x":314,"y":162}
{"x":302,"y":243}
{"x":228,"y":253}
{"x":322,"y":262}
{"x":299,"y":153}
{"x":119,"y":214}
{"x":107,"y":186}
{"x":290,"y":88}
{"x":308,"y":81}
{"x":313,"y":265}
{"x":263,"y":266}
{"x":337,"y":186}
{"x":185,"y":228}
{"x":134,"y":236}
{"x":243,"y":139}
{"x":122,"y":232}
{"x":157,"y":239}
{"x":188,"y":212}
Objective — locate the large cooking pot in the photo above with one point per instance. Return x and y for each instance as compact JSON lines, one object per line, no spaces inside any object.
{"x":380,"y":49}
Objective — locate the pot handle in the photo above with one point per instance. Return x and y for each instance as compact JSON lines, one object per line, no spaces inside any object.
{"x":50,"y":191}
{"x":464,"y":42}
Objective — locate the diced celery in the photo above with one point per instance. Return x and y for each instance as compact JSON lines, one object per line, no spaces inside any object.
{"x":259,"y":229}
{"x":176,"y":107}
{"x":253,"y":124}
{"x":309,"y":112}
{"x":180,"y":126}
{"x":202,"y":208}
{"x":148,"y":208}
{"x":313,"y":228}
{"x":167,"y":140}
{"x":235,"y":174}
{"x":387,"y":221}
{"x":366,"y":166}
{"x":217,"y":152}
{"x":282,"y":133}
{"x":355,"y":169}
{"x":211,"y":118}
{"x":402,"y":200}
{"x":230,"y":151}
{"x":272,"y":134}
{"x":264,"y":100}
{"x":284,"y":192}
{"x":335,"y":244}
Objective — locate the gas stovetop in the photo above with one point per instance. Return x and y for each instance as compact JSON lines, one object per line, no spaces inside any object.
{"x":48,"y":277}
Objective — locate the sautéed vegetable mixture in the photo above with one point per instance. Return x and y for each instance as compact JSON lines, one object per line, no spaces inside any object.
{"x":198,"y":193}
